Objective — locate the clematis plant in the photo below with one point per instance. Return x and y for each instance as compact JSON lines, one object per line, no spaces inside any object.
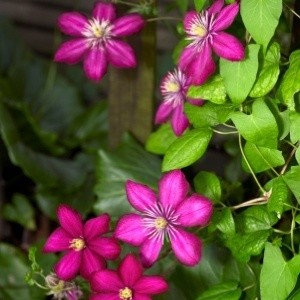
{"x":164,"y":216}
{"x":85,"y":248}
{"x":205,"y":31}
{"x":97,"y":40}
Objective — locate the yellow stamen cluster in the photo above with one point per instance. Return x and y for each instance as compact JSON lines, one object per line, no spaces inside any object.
{"x":199,"y":30}
{"x":125,"y":294}
{"x":160,"y":223}
{"x":77,"y":244}
{"x":172,"y":87}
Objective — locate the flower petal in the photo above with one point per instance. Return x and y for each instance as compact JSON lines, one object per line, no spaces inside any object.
{"x":96,"y":226}
{"x":90,"y":263}
{"x":202,"y":66}
{"x":120,"y":54}
{"x":71,"y":52}
{"x":106,"y":296}
{"x":225,"y":17}
{"x":195,"y":101}
{"x":70,"y":220}
{"x":140,"y":196}
{"x":188,"y":20}
{"x":106,"y":247}
{"x":163,"y":113}
{"x":173,"y":188}
{"x":128,"y":25}
{"x":104,"y":11}
{"x":186,"y":246}
{"x":130,"y":270}
{"x":138,"y":296}
{"x":72,"y":23}
{"x":186,"y":57}
{"x":195,"y":211}
{"x":151,"y":285}
{"x":59,"y":240}
{"x":179,"y":120}
{"x":149,"y":251}
{"x":129,"y":229}
{"x":216,"y":7}
{"x":228,"y":47}
{"x":68,"y":266}
{"x":95,"y":63}
{"x":106,"y":281}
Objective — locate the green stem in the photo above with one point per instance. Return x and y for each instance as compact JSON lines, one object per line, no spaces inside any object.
{"x":225,"y":132}
{"x":289,"y":159}
{"x":256,"y":201}
{"x":292,"y":230}
{"x":164,"y":18}
{"x":297,"y":15}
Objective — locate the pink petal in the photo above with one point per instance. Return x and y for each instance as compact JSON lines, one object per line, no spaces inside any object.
{"x":228,"y":47}
{"x":226,"y":17}
{"x":149,"y":251}
{"x":96,"y":227}
{"x":70,"y":220}
{"x":71,"y":52}
{"x":186,"y":246}
{"x":179,"y":121}
{"x":129,"y":229}
{"x":140,"y":196}
{"x":195,"y":211}
{"x":106,"y":247}
{"x":68,"y":266}
{"x":151,"y":285}
{"x":90,"y":263}
{"x":59,"y":240}
{"x":128,"y":25}
{"x":216,"y":7}
{"x":106,"y":296}
{"x":202,"y":66}
{"x":138,"y":296}
{"x":188,"y":19}
{"x":186,"y":57}
{"x":106,"y":281}
{"x":104,"y":11}
{"x":95,"y":63}
{"x":163,"y":113}
{"x":72,"y":23}
{"x":173,"y":188}
{"x":130,"y":270}
{"x":120,"y":54}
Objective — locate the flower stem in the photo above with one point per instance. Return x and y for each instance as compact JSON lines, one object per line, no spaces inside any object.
{"x":224,"y":132}
{"x":256,"y":201}
{"x":289,"y":159}
{"x":163,"y":18}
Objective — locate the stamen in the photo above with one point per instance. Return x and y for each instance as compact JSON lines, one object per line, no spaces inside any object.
{"x":160,"y":223}
{"x":199,"y":30}
{"x":172,"y":87}
{"x":77,"y":244}
{"x":125,"y":294}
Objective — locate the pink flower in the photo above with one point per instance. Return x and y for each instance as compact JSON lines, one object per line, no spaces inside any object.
{"x":96,"y":40}
{"x":205,"y":31}
{"x":127,"y":283}
{"x":164,"y":216}
{"x":86,"y":250}
{"x":174,"y":88}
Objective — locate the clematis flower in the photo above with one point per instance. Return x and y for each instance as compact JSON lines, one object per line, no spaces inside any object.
{"x":86,"y":250}
{"x":127,"y":283}
{"x":174,"y":88}
{"x":205,"y":31}
{"x":97,"y":40}
{"x":163,"y":217}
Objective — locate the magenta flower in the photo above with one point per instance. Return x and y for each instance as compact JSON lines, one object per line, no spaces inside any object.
{"x":86,"y":250}
{"x":127,"y":283}
{"x":96,"y":40}
{"x":174,"y":88}
{"x":165,"y":216}
{"x":205,"y":31}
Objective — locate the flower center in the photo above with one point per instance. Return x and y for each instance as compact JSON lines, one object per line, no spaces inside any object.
{"x":160,"y":223}
{"x":77,"y":244}
{"x":199,"y":30}
{"x":125,"y":294}
{"x":172,"y":87}
{"x":98,"y":30}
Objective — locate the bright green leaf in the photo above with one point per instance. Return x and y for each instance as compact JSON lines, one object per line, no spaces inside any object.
{"x":199,"y":4}
{"x":294,"y":127}
{"x":222,"y":291}
{"x":240,"y":76}
{"x":224,"y":221}
{"x":187,"y":149}
{"x":261,"y":18}
{"x":291,"y":178}
{"x":297,"y":155}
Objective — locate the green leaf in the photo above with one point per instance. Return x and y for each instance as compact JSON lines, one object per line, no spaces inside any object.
{"x":199,"y":4}
{"x":261,"y":18}
{"x":213,"y":90}
{"x":261,"y":158}
{"x":208,"y":184}
{"x":159,"y":141}
{"x":291,"y":178}
{"x":222,"y":291}
{"x":239,"y":77}
{"x":268,"y":75}
{"x":290,"y":83}
{"x":224,"y":221}
{"x":187,"y":149}
{"x":297,"y":155}
{"x":20,"y":211}
{"x":129,"y":162}
{"x":209,"y":114}
{"x":260,"y":127}
{"x":278,"y":277}
{"x":294,"y":126}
